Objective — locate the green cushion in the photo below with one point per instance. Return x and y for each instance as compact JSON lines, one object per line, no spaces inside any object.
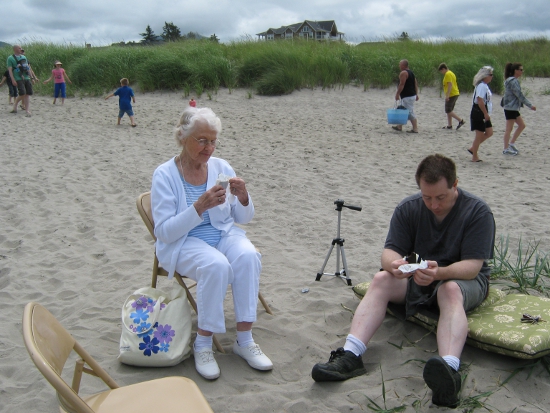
{"x":496,"y":324}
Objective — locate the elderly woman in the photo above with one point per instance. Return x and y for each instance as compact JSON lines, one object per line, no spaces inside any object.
{"x":480,"y":117}
{"x":195,"y":221}
{"x":512,"y":101}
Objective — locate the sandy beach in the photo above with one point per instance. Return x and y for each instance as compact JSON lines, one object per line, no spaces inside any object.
{"x":71,"y":237}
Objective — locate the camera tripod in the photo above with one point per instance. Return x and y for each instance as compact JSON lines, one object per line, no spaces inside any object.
{"x":339,"y":242}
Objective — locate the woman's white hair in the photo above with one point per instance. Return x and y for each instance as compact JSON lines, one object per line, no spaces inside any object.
{"x":188,"y":122}
{"x":482,"y":74}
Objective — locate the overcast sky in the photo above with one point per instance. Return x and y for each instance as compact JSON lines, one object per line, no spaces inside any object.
{"x":101,"y":22}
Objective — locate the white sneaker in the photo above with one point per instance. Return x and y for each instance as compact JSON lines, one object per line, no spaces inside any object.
{"x":253,"y":356}
{"x":509,"y":151}
{"x":514,"y":147}
{"x":206,"y":365}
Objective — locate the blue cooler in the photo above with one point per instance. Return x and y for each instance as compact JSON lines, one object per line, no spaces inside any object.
{"x":398,"y":116}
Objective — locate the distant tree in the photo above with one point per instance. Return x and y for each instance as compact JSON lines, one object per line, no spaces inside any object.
{"x":214,"y":38}
{"x":148,"y":36}
{"x":191,"y":36}
{"x":404,"y":36}
{"x":170,"y":32}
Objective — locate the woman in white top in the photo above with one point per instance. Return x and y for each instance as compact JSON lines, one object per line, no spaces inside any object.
{"x":196,"y":236}
{"x":480,"y":117}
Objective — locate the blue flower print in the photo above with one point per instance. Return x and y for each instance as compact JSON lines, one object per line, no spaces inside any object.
{"x":140,"y":303}
{"x":144,"y":329}
{"x":138,"y":315}
{"x":164,"y":347}
{"x":151,"y":305}
{"x":149,"y":345}
{"x":164,"y":333}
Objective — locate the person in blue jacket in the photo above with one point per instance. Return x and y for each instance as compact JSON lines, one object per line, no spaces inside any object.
{"x":125,"y":98}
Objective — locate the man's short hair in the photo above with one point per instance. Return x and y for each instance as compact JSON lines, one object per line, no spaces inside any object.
{"x":433,"y":168}
{"x":442,"y":66}
{"x":124,"y":81}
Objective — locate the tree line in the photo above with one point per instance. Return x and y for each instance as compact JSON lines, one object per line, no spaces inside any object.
{"x":171,"y":33}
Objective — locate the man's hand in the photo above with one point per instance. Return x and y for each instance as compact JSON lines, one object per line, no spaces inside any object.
{"x":395,"y":269}
{"x":427,"y":276}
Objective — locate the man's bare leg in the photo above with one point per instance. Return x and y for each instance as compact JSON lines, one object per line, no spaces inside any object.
{"x":371,"y":311}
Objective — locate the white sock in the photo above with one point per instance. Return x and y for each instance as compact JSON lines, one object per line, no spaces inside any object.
{"x":202,"y":342}
{"x":452,"y":361}
{"x":244,"y":338}
{"x":355,"y":345}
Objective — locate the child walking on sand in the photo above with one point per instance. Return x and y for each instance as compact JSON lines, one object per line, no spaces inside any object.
{"x":12,"y":90}
{"x":125,"y":98}
{"x":59,"y":76}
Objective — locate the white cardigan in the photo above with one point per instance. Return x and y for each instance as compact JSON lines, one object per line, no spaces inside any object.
{"x":174,"y":219}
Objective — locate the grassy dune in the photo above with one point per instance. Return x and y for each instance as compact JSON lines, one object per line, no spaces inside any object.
{"x":275,"y":68}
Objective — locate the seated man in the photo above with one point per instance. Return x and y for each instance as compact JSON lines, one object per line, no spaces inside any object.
{"x":454,"y":231}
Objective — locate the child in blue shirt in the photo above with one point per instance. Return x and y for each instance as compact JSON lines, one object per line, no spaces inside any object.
{"x":125,"y":98}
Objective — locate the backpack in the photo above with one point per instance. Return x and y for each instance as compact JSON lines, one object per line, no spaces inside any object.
{"x":22,"y":65}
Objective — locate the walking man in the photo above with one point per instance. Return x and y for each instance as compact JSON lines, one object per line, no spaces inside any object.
{"x":20,"y":76}
{"x":451,"y":95}
{"x":407,"y":91}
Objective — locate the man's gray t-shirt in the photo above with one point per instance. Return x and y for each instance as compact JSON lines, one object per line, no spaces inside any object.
{"x":467,"y":232}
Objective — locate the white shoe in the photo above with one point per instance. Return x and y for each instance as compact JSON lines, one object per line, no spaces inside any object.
{"x":206,"y":365}
{"x":254,"y":356}
{"x":509,"y":151}
{"x":514,"y":148}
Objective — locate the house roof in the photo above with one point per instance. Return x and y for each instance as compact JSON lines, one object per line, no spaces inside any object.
{"x":326,"y":26}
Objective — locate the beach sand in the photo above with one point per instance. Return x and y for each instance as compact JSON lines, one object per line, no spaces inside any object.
{"x":72,"y":240}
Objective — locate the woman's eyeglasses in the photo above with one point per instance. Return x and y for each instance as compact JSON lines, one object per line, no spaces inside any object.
{"x":204,"y":142}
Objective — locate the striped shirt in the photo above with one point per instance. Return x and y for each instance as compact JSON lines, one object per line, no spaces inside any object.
{"x":204,"y":231}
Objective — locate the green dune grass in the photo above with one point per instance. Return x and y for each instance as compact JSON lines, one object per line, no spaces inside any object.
{"x":280,"y":67}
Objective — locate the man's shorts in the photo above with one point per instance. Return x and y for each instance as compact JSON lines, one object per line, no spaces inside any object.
{"x":129,"y":112}
{"x":24,"y":87}
{"x":60,"y":88}
{"x":408,"y":103}
{"x":511,"y":114}
{"x":450,"y":104}
{"x":473,"y":293}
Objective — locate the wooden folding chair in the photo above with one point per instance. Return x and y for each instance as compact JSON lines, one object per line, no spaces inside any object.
{"x":49,"y":344}
{"x":143,"y":203}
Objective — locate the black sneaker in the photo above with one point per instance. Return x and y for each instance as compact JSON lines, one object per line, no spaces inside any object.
{"x":444,"y":381}
{"x":342,"y":365}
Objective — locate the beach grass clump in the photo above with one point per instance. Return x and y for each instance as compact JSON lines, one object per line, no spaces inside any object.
{"x":164,"y":70}
{"x":527,"y":271}
{"x":98,"y":72}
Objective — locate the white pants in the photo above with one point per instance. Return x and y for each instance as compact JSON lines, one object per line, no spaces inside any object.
{"x":235,"y":261}
{"x":408,"y":102}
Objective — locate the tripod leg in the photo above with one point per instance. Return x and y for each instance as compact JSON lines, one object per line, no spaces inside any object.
{"x":345,"y":264}
{"x":338,"y":248}
{"x":322,"y":270}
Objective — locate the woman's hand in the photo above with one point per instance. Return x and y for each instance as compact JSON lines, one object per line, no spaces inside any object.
{"x":212,"y":198}
{"x":238,"y":188}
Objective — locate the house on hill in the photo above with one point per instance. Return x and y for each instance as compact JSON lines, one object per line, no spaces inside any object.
{"x":308,"y":29}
